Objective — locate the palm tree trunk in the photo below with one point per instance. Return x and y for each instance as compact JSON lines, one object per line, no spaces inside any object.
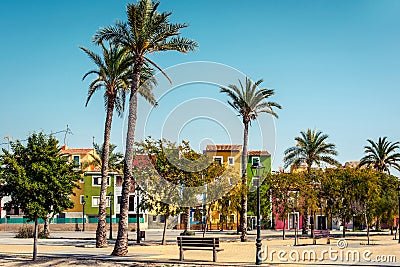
{"x":243,"y":214}
{"x":35,"y":239}
{"x":164,"y":236}
{"x":101,"y":234}
{"x":186,"y":225}
{"x":121,"y":244}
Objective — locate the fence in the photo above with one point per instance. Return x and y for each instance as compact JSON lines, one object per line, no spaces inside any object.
{"x":63,"y":220}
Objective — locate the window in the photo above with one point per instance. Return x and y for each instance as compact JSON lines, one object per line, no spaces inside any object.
{"x":218,"y":159}
{"x":119,"y":198}
{"x":96,"y":201}
{"x":254,"y":160}
{"x":118,"y":180}
{"x":76,"y":160}
{"x":232,"y":218}
{"x":82,"y":199}
{"x":154,"y":218}
{"x":231,"y":161}
{"x":96,"y":181}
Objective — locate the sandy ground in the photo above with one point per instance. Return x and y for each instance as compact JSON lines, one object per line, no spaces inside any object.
{"x":353,"y":251}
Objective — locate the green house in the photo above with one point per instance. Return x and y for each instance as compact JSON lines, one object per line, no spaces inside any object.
{"x":92,"y":184}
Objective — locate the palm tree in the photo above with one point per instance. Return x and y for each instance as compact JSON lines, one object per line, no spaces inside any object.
{"x":115,"y":159}
{"x":112,"y":74}
{"x":311,"y":148}
{"x":249,"y":101}
{"x":381,"y":155}
{"x":147,"y":31}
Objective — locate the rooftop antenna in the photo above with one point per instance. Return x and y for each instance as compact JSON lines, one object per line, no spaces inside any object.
{"x":67,"y":131}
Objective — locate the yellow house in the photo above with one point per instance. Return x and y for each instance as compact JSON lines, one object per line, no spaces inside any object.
{"x":80,"y":158}
{"x":229,"y":155}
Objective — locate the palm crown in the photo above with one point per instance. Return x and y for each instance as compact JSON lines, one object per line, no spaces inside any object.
{"x":381,"y":155}
{"x":311,"y":148}
{"x":249,"y":100}
{"x":112,"y":74}
{"x":147,"y":31}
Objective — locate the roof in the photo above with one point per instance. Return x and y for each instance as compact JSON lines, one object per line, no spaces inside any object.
{"x":258,"y":153}
{"x":75,"y":151}
{"x":352,"y":164}
{"x":224,"y":147}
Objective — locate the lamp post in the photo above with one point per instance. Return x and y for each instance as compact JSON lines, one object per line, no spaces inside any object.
{"x":296,"y":191}
{"x":137,"y":216}
{"x":83,"y":214}
{"x":111,"y":205}
{"x":256,"y":169}
{"x":398,"y":222}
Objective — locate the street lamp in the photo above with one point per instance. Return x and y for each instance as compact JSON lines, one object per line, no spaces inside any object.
{"x":83,"y":214}
{"x":111,"y":205}
{"x":398,"y":222}
{"x":138,"y":237}
{"x":296,"y":191}
{"x":256,"y":169}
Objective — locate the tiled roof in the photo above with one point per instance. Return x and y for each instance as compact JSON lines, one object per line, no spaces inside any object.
{"x":79,"y":151}
{"x":224,"y":148}
{"x":258,"y":153}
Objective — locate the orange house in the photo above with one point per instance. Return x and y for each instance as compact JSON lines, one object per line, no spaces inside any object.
{"x":80,"y":158}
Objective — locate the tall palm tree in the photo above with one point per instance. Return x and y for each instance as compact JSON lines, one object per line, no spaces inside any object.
{"x":147,"y":31}
{"x":381,"y":155}
{"x":311,"y":148}
{"x":249,"y":101}
{"x":112,"y":74}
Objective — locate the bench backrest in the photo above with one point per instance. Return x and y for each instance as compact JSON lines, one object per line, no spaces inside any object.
{"x":187,"y":241}
{"x":321,"y":232}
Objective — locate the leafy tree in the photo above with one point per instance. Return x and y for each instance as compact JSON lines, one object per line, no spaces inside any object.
{"x":174,"y":176}
{"x":381,"y":155}
{"x":283,"y":189}
{"x":249,"y":101}
{"x":265,"y":205}
{"x":311,"y":148}
{"x":147,"y":31}
{"x":38,"y":178}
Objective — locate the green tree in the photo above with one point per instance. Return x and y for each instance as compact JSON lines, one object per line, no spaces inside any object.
{"x":283,"y":189}
{"x":147,"y":31}
{"x":381,"y":155}
{"x":311,"y":149}
{"x":249,"y":101}
{"x":38,"y":178}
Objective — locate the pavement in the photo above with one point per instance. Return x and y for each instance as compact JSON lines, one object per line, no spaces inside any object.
{"x":78,"y":248}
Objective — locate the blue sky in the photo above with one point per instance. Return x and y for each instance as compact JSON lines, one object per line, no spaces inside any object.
{"x":334,"y":65}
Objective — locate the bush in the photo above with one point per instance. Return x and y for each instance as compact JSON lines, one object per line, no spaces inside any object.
{"x":187,"y":233}
{"x":26,"y":231}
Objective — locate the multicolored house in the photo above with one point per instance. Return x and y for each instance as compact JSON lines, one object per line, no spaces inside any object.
{"x":81,"y":159}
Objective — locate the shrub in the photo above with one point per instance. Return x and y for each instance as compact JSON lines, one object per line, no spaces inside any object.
{"x":26,"y":231}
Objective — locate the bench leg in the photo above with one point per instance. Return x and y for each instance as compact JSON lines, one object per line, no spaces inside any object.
{"x":314,"y":241}
{"x":328,"y":241}
{"x":214,"y":255}
{"x":181,"y":254}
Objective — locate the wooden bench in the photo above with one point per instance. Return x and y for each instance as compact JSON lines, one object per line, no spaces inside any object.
{"x":321,"y":234}
{"x":198,"y":243}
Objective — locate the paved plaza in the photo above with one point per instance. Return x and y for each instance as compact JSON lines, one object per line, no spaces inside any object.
{"x":77,"y":248}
